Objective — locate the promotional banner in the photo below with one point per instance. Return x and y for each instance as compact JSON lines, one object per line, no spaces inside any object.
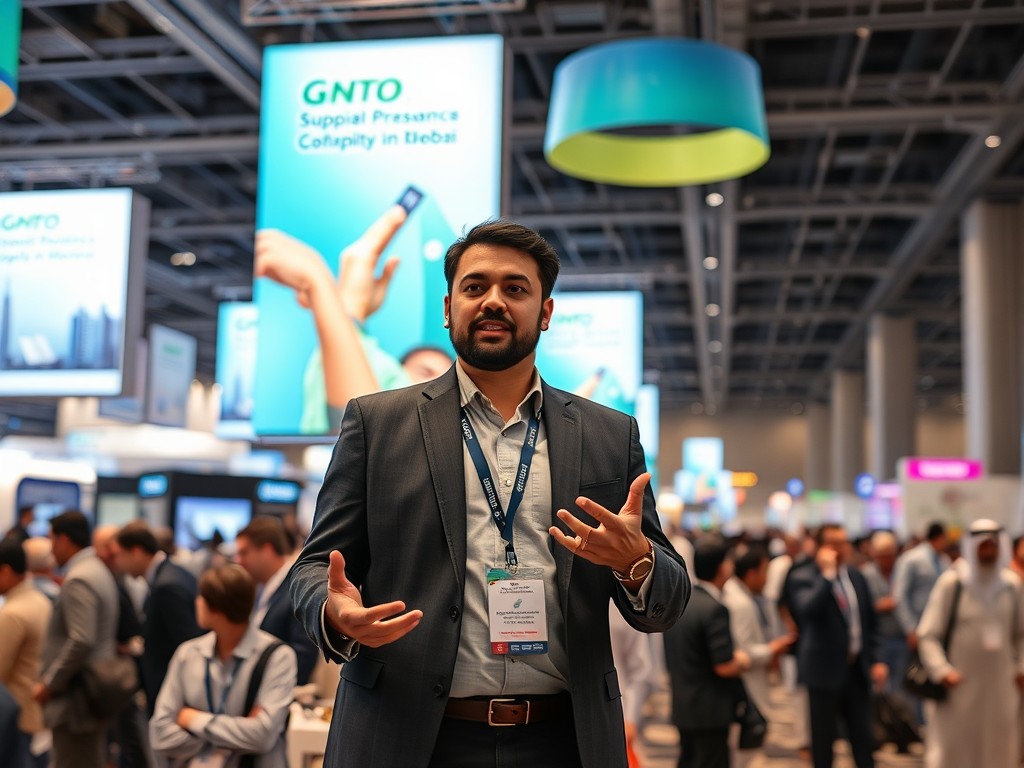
{"x":64,"y":259}
{"x":348,"y":133}
{"x":594,"y":347}
{"x":172,"y":368}
{"x":237,"y":338}
{"x":648,"y":421}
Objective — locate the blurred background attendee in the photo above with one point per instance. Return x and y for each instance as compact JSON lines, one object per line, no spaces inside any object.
{"x":703,"y":663}
{"x":878,"y":573}
{"x":41,"y":565}
{"x":201,"y":717}
{"x":914,"y":576}
{"x":751,"y":633}
{"x":24,"y":616}
{"x":424,"y":364}
{"x":631,"y":651}
{"x":80,"y":632}
{"x":976,"y":726}
{"x":1017,"y":561}
{"x":26,"y":515}
{"x":262,"y":549}
{"x":840,"y":657}
{"x":804,"y":559}
{"x":128,"y":733}
{"x":169,"y":611}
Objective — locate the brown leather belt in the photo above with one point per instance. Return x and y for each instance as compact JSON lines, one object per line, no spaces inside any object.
{"x":508,"y":711}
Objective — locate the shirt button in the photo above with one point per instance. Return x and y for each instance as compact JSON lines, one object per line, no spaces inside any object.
{"x":508,"y":483}
{"x":453,"y":613}
{"x":439,"y":690}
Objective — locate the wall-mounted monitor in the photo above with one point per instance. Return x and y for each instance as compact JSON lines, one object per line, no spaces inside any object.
{"x":197,"y":519}
{"x":72,"y":285}
{"x":594,"y":346}
{"x":237,"y":338}
{"x":348,"y":133}
{"x":48,"y":498}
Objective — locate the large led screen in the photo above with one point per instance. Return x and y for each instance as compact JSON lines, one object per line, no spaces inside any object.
{"x":594,"y":347}
{"x":70,"y":291}
{"x":385,"y":148}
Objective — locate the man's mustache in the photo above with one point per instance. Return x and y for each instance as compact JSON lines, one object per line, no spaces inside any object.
{"x":493,"y":317}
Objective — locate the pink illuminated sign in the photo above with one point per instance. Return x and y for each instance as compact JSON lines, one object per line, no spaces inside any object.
{"x":937,"y":470}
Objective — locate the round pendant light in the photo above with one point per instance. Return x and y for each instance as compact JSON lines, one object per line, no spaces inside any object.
{"x":10,"y":39}
{"x":658,"y":112}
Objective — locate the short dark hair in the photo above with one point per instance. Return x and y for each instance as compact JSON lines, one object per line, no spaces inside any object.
{"x":424,"y":348}
{"x":266,"y":530}
{"x":13,"y":554}
{"x":27,"y":510}
{"x":935,"y":530}
{"x":512,"y":235}
{"x":708,"y":555}
{"x":819,"y":537}
{"x":229,"y":590}
{"x":137,"y":534}
{"x":74,"y":525}
{"x":750,"y":560}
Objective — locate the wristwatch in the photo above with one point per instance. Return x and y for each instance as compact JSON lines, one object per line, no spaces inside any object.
{"x":639,"y":568}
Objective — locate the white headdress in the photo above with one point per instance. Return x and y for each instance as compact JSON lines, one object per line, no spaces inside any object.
{"x":985,"y":581}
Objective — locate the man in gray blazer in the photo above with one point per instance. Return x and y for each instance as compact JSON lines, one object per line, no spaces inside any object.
{"x":81,"y":631}
{"x":436,"y":495}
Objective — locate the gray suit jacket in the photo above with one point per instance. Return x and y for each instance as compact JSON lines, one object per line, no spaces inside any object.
{"x":394,"y":503}
{"x":81,"y":631}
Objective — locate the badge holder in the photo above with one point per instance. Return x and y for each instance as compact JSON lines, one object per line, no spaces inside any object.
{"x":517,"y":611}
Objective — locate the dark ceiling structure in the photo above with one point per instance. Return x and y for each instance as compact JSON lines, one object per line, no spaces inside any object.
{"x":887,"y":119}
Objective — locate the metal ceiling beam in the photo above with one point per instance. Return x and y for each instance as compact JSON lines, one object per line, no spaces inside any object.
{"x":220,"y":231}
{"x":85,"y":70}
{"x":225,"y":33}
{"x":160,"y":125}
{"x":167,"y":19}
{"x":883,"y":22}
{"x":163,"y":150}
{"x":165,"y":281}
{"x":958,"y":188}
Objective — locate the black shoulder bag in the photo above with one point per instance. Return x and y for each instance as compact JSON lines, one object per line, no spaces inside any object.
{"x":255,"y":681}
{"x":753,"y":726}
{"x":916,"y":680}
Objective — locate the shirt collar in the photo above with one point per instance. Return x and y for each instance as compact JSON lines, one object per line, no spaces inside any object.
{"x":275,"y":581}
{"x":207,"y":644}
{"x":81,"y":554}
{"x":154,"y":564}
{"x":711,"y":589}
{"x":469,"y":391}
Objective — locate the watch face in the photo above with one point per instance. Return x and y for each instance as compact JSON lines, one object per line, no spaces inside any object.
{"x":641,"y":569}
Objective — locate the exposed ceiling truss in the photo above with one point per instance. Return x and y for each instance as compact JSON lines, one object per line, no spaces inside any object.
{"x":881,"y":115}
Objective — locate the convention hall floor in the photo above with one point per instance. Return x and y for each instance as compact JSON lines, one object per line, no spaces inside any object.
{"x":660,"y":740}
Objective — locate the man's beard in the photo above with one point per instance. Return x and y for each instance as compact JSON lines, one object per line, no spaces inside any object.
{"x":495,"y":357}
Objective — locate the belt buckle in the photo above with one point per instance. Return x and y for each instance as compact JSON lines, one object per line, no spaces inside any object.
{"x":490,"y":712}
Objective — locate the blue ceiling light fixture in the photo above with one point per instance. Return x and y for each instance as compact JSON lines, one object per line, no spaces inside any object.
{"x":657,"y":112}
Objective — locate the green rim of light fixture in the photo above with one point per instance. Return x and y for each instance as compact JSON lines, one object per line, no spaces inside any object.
{"x":10,"y":39}
{"x":672,"y":82}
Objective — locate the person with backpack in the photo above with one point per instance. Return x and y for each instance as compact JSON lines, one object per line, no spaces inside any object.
{"x":224,"y":702}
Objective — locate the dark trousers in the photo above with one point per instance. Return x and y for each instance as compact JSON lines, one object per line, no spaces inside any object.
{"x":548,"y":744}
{"x":852,"y":703}
{"x":705,"y":748}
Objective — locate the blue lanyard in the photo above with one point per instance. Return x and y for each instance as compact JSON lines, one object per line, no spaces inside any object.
{"x":224,"y":693}
{"x":502,"y":519}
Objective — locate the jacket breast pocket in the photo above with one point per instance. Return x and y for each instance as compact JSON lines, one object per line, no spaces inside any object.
{"x":363,"y":671}
{"x":606,"y":489}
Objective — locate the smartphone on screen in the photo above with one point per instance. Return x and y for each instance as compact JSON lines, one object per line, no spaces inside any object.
{"x":410,"y":199}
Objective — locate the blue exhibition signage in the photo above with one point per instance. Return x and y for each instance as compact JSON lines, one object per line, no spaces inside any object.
{"x":864,"y":485}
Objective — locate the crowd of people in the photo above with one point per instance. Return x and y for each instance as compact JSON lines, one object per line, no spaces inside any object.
{"x":842,"y":623}
{"x":113,"y":652}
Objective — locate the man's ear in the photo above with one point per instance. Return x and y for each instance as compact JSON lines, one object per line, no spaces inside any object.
{"x":546,"y":311}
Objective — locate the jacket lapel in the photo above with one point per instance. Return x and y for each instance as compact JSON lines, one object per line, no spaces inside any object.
{"x":565,"y":453}
{"x":442,"y":437}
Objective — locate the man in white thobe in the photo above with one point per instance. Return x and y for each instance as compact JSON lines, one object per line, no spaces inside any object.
{"x":976,"y":726}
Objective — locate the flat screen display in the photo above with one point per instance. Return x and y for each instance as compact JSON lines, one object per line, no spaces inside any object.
{"x":197,"y":518}
{"x":399,"y":131}
{"x":117,"y":508}
{"x":172,"y":368}
{"x":237,"y":337}
{"x":594,"y":347}
{"x":68,"y":314}
{"x":48,"y":498}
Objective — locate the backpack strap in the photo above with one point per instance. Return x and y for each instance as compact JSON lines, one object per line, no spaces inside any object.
{"x":255,"y":681}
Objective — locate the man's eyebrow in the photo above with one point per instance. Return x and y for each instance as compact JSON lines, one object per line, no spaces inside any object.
{"x":510,"y":276}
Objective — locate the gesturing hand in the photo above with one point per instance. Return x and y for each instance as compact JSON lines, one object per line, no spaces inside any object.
{"x":617,"y":541}
{"x":368,"y":626}
{"x":361,"y":292}
{"x":292,"y":263}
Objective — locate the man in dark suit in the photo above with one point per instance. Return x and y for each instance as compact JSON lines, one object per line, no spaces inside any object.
{"x":261,"y":548}
{"x":436,"y":495}
{"x":703,"y":664}
{"x":169,"y":611}
{"x":840,"y":653}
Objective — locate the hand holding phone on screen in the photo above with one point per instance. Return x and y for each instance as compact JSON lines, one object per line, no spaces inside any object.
{"x":362,"y":292}
{"x":292,"y":263}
